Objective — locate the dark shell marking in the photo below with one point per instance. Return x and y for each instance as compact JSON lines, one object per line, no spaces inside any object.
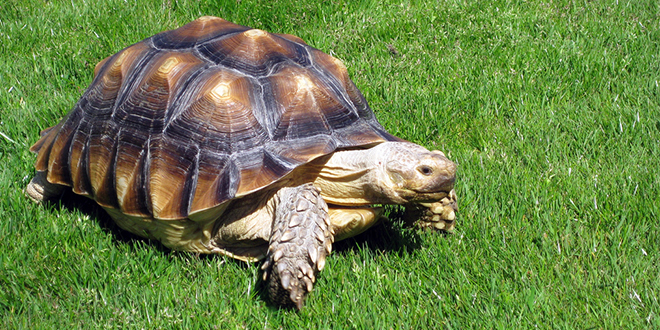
{"x":190,"y":118}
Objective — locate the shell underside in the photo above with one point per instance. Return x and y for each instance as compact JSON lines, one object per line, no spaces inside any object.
{"x":190,"y":118}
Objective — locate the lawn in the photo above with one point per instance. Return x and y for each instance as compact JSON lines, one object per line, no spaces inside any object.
{"x":551,"y":109}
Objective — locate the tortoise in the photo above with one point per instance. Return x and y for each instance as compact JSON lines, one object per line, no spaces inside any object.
{"x":217,"y":138}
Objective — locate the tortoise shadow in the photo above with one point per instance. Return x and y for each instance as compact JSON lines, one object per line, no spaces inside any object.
{"x":71,"y":202}
{"x":390,"y":235}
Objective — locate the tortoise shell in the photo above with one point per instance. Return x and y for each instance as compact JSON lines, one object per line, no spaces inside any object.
{"x":188,"y":119}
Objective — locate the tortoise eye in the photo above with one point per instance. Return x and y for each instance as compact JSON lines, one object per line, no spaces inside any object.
{"x":426,"y":170}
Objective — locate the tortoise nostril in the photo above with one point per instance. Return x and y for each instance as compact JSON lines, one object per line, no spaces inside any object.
{"x":426,"y":170}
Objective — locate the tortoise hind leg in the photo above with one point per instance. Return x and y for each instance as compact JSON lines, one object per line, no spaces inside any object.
{"x":300,"y":240}
{"x":40,"y":190}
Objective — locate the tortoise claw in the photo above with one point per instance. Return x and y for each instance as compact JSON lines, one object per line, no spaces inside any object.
{"x":440,"y":215}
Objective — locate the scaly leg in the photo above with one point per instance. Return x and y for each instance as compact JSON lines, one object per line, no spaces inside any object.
{"x":300,"y":240}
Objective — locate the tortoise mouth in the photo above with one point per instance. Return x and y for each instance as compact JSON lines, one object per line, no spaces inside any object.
{"x":417,"y":196}
{"x":442,"y":184}
{"x":432,"y":191}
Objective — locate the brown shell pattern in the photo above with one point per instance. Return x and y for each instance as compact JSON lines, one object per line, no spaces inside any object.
{"x":191,"y":118}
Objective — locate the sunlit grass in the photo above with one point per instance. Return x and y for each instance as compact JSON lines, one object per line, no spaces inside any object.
{"x":551,"y":110}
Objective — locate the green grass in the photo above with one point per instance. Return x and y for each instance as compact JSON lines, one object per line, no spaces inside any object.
{"x":551,"y":109}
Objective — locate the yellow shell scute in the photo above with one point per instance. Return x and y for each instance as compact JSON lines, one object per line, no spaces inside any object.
{"x":340,"y":65}
{"x":303,"y":83}
{"x":208,"y":18}
{"x":220,"y":91}
{"x":168,"y":65}
{"x":255,"y":33}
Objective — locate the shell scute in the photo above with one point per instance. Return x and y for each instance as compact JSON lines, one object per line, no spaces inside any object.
{"x":217,"y":180}
{"x":58,"y":160}
{"x":340,"y":75}
{"x":259,"y":168}
{"x":172,"y":177}
{"x":131,"y":179}
{"x":102,"y":150}
{"x":225,"y":113}
{"x":304,"y":149}
{"x":78,"y":161}
{"x":254,"y":52}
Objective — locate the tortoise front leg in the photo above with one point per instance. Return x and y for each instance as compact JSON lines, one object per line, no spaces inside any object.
{"x":300,"y":240}
{"x":349,"y":222}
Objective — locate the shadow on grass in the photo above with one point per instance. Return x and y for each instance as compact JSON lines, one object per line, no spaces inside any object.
{"x":388,"y":236}
{"x":71,"y":202}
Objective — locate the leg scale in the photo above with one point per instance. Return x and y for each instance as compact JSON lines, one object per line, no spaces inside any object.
{"x":300,"y":240}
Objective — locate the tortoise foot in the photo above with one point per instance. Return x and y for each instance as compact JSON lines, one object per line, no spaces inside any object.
{"x":40,"y":190}
{"x":300,"y":240}
{"x":440,"y":215}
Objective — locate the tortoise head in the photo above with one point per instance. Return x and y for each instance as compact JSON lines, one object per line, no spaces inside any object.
{"x":409,"y":173}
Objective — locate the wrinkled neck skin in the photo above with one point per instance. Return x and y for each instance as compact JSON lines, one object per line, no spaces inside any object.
{"x":389,"y":173}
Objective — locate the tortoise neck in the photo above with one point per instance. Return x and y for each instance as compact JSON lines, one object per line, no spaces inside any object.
{"x":350,"y":177}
